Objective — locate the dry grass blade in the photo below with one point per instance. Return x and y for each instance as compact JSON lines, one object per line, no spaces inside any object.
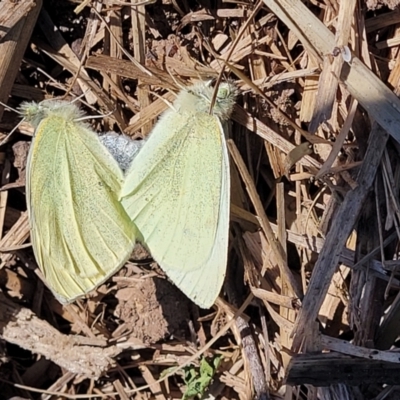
{"x":12,"y":12}
{"x":332,"y":67}
{"x":264,"y":222}
{"x":361,"y":82}
{"x":19,"y":20}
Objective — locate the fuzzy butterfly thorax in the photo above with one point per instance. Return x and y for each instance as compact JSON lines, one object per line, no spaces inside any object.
{"x":197,"y":99}
{"x":34,"y":112}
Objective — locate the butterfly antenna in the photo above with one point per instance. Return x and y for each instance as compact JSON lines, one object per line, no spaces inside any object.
{"x":10,"y":108}
{"x":177,"y":83}
{"x":243,"y":28}
{"x":168,"y":103}
{"x":7,"y":138}
{"x":86,"y":117}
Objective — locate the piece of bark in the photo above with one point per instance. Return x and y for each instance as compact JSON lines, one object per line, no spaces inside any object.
{"x":251,"y":353}
{"x":83,"y":356}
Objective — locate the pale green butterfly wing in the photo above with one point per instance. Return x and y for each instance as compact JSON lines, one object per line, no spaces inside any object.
{"x":177,"y":193}
{"x":203,"y":283}
{"x":80,"y":233}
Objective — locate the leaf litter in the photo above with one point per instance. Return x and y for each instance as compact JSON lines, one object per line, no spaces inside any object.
{"x":310,"y":308}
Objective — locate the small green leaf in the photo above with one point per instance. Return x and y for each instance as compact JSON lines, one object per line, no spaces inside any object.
{"x":206,"y":368}
{"x":198,"y":379}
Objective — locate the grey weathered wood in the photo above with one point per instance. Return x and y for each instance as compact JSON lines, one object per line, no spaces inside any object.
{"x":331,"y":368}
{"x":336,"y":238}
